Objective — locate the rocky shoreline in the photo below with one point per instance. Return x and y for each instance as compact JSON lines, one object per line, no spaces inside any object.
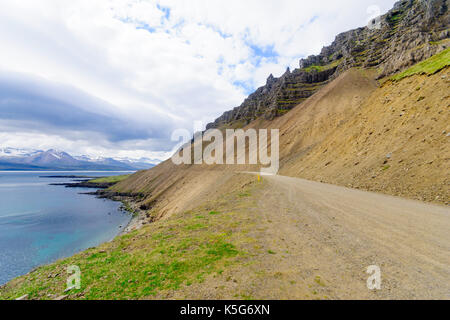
{"x":85,"y":184}
{"x":130,"y":202}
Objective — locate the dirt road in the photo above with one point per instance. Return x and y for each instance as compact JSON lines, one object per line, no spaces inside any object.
{"x":327,"y":236}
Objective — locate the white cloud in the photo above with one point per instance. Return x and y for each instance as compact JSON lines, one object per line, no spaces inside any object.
{"x":163,"y":61}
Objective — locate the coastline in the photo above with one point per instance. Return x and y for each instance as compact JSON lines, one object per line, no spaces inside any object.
{"x":129,"y":203}
{"x":128,"y":207}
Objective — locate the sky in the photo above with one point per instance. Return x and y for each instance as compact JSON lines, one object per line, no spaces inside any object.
{"x":115,"y":78}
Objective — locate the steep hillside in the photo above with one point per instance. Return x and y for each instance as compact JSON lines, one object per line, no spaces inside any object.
{"x":397,"y":142}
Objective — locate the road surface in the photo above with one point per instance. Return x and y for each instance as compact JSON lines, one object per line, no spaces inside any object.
{"x":333,"y":234}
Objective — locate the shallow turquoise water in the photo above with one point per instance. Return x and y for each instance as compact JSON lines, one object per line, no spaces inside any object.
{"x":40,"y":223}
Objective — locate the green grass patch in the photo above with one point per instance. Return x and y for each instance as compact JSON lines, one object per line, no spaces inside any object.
{"x":319,"y":281}
{"x":244,"y":194}
{"x":323,"y":68}
{"x":112,"y":179}
{"x":430,"y":66}
{"x":395,"y":18}
{"x":164,"y":256}
{"x":127,"y":207}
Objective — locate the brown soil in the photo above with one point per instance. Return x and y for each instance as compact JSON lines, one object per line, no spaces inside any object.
{"x":395,"y":142}
{"x":315,"y":241}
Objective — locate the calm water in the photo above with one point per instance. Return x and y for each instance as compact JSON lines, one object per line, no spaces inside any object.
{"x":40,"y":223}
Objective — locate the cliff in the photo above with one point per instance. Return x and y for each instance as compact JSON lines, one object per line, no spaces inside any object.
{"x":412,"y":31}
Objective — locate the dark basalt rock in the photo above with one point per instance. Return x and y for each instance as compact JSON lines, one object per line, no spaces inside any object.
{"x":412,"y":31}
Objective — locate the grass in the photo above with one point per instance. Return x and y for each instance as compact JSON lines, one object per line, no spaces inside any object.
{"x":395,"y":18}
{"x":112,"y":179}
{"x":430,"y":66}
{"x":164,"y":256}
{"x":323,"y":68}
{"x":161,"y":258}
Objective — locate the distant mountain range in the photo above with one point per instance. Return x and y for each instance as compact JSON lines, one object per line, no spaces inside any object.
{"x":22,"y":159}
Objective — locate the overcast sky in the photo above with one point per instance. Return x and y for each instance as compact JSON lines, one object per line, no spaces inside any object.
{"x":115,"y":78}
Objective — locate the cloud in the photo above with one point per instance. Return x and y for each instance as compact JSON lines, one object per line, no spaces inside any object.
{"x":112,"y":76}
{"x":54,"y":108}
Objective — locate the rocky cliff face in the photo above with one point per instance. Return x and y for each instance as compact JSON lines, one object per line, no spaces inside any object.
{"x":412,"y":31}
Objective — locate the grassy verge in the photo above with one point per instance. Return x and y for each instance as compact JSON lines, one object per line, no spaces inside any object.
{"x":112,"y":179}
{"x":429,"y":66}
{"x":148,"y":263}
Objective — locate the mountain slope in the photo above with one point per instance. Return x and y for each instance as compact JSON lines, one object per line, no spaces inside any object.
{"x":391,"y":138}
{"x":397,"y":142}
{"x":411,"y":32}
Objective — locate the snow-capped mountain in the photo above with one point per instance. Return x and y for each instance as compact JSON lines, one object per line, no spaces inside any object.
{"x":51,"y":158}
{"x":120,"y":159}
{"x":21,"y":159}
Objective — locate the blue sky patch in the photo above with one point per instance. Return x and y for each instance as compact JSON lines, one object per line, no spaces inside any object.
{"x":246,"y":85}
{"x":165,"y":10}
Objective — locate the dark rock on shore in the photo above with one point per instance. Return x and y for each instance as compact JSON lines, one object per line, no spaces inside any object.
{"x":85,"y":184}
{"x":69,"y":177}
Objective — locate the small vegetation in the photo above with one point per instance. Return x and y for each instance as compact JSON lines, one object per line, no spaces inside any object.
{"x":158,"y":258}
{"x":319,"y":281}
{"x":429,"y":66}
{"x":395,"y":18}
{"x":323,"y":68}
{"x":112,"y":179}
{"x":127,"y":207}
{"x":155,"y":261}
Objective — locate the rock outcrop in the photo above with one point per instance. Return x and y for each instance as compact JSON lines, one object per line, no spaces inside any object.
{"x":412,"y":31}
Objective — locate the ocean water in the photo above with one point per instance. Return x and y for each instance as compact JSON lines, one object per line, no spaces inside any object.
{"x":40,"y":223}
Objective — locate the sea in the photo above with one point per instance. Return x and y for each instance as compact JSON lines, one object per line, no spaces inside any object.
{"x":41,"y":223}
